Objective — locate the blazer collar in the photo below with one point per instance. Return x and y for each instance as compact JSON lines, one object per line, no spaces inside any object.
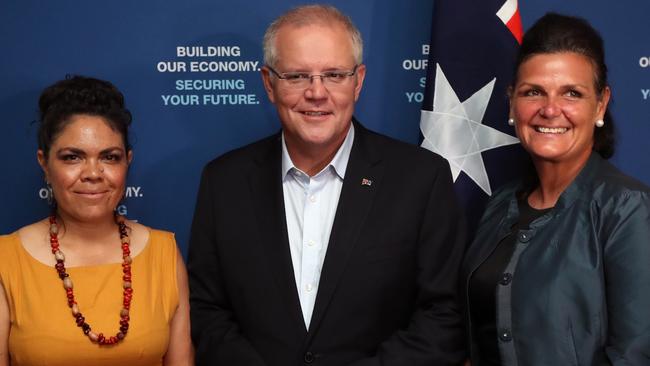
{"x":584,"y":180}
{"x":575,"y":191}
{"x":265,"y":185}
{"x":362,"y":180}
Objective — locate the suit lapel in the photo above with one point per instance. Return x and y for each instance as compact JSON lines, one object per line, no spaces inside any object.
{"x":362,"y":180}
{"x":265,"y":184}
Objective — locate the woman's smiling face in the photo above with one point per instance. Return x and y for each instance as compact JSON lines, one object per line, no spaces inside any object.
{"x":555,"y":105}
{"x":87,"y":167}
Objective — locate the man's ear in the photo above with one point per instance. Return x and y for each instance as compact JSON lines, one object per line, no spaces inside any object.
{"x":361,"y":75}
{"x":268,"y":86}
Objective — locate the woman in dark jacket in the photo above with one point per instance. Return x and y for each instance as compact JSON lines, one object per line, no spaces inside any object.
{"x":559,"y":271}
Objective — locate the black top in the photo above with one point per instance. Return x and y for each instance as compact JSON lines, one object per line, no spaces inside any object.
{"x":483,"y":283}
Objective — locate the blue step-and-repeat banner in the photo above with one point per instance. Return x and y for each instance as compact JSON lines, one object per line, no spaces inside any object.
{"x":190,"y":74}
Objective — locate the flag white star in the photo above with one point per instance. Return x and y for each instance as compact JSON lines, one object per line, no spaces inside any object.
{"x":455,"y":130}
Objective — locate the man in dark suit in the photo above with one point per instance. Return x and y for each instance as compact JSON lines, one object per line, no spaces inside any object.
{"x":326,"y":243}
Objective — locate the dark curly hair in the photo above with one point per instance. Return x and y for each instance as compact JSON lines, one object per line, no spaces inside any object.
{"x":80,"y":95}
{"x":556,"y":33}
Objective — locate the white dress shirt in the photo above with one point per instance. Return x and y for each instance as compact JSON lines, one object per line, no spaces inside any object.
{"x":310,"y":206}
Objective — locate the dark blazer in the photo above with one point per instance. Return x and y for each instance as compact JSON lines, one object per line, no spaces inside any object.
{"x":576,"y":290}
{"x":388,"y":288}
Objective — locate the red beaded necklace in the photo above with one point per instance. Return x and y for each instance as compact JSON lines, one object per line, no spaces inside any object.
{"x":67,"y":284}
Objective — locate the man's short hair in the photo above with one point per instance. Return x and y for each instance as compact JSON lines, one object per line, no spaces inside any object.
{"x":324,"y":15}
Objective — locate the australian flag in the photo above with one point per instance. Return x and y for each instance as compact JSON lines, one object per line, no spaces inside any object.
{"x":465,"y":109}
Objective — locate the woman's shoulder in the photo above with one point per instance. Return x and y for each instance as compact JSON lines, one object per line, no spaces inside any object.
{"x":138,"y":228}
{"x":160,"y":252}
{"x":33,"y":238}
{"x":29,"y":239}
{"x":503,"y":195}
{"x":8,"y":242}
{"x":35,"y":229}
{"x":621,"y":202}
{"x":6,"y":239}
{"x":160,"y":236}
{"x":611,"y":184}
{"x":159,"y":241}
{"x":507,"y":189}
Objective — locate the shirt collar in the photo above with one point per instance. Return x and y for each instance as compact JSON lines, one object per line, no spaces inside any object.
{"x":339,"y":163}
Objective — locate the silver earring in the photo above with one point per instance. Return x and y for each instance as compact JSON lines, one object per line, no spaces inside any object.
{"x":600,"y":123}
{"x":511,"y":121}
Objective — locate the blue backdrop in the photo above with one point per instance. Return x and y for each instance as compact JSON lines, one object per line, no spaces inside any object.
{"x":191,"y":104}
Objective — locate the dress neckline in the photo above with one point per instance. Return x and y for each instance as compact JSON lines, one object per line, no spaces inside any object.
{"x":29,"y":255}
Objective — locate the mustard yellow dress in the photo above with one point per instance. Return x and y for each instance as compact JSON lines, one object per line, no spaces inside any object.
{"x":43,"y":331}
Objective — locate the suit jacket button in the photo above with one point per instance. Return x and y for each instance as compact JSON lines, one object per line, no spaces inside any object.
{"x":506,"y":278}
{"x":309,"y":357}
{"x":505,"y":335}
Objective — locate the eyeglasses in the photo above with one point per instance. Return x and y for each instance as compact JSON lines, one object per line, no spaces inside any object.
{"x":302,"y":80}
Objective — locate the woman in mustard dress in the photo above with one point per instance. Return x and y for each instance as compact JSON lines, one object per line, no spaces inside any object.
{"x":86,"y":286}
